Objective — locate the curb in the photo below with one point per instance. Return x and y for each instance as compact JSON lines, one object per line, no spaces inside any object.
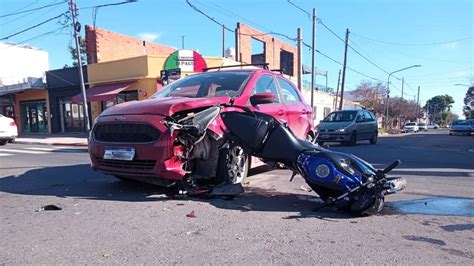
{"x":52,"y":144}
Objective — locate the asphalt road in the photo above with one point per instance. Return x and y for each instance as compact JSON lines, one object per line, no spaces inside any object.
{"x":108,"y":221}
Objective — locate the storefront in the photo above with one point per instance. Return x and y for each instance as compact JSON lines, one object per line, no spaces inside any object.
{"x":62,"y":85}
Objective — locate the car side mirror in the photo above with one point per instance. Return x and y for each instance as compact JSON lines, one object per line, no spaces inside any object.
{"x":262,"y":98}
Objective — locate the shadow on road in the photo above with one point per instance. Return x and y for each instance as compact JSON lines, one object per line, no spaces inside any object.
{"x":79,"y":181}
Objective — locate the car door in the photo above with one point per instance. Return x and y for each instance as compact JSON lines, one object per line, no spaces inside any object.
{"x":299,"y":114}
{"x":371,"y":124}
{"x":267,"y":83}
{"x":362,"y":125}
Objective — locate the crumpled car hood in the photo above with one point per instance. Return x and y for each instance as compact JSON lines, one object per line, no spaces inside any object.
{"x":165,"y":106}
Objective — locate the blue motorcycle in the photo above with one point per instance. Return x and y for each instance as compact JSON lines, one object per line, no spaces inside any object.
{"x":341,"y":180}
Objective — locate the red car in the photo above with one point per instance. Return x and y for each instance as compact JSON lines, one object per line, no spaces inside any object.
{"x":153,"y":152}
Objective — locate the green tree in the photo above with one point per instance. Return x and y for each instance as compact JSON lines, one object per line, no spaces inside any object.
{"x":439,"y":109}
{"x":468,"y":103}
{"x":82,"y":48}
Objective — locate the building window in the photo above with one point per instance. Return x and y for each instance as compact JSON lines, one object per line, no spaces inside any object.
{"x":286,"y":62}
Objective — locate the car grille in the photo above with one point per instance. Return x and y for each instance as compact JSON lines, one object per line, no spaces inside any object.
{"x":136,"y":164}
{"x":135,"y":133}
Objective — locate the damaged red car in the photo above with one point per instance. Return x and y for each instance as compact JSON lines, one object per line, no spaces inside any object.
{"x":132,"y":140}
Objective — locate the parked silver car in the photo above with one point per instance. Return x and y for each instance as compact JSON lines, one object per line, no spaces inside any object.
{"x":348,"y":126}
{"x":461,"y":127}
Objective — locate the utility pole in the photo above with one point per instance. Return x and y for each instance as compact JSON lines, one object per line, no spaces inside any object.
{"x":403,"y":82}
{"x":344,"y":70}
{"x":337,"y":90}
{"x":182,"y":41}
{"x":76,"y":27}
{"x":237,"y":42}
{"x":223,"y":40}
{"x":300,"y":59}
{"x":418,"y":102}
{"x":313,"y":47}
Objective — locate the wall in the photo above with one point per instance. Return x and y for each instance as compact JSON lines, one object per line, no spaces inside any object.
{"x":20,"y":62}
{"x":31,"y":95}
{"x":272,"y":47}
{"x":103,"y":45}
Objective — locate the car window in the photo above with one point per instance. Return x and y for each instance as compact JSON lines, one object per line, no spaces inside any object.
{"x":410,"y":124}
{"x":212,"y":84}
{"x":266,"y":83}
{"x":368,"y":116}
{"x":361,"y":117}
{"x":341,"y":116}
{"x":288,"y":92}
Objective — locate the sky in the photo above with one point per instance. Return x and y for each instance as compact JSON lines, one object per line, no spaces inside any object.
{"x":387,"y":35}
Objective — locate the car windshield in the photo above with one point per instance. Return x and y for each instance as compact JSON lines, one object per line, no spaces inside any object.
{"x":206,"y":85}
{"x":341,"y":116}
{"x":460,"y":123}
{"x":410,"y":124}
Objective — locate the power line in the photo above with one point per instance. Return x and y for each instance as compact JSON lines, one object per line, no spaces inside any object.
{"x":32,"y":27}
{"x":352,"y":48}
{"x":40,"y":35}
{"x":233,"y":31}
{"x":111,"y":4}
{"x":29,"y":10}
{"x":339,"y":63}
{"x":413,"y":44}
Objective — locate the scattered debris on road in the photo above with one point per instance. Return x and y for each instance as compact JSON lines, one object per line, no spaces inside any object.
{"x":49,"y":208}
{"x":191,"y":215}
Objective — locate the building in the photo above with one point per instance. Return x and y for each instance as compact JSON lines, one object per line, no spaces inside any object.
{"x":22,"y":91}
{"x":62,"y":85}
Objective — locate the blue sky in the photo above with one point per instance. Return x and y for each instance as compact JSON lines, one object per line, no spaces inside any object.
{"x":437,"y":34}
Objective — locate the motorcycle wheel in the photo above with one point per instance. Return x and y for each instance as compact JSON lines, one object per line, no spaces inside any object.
{"x":367,"y":204}
{"x":233,"y":165}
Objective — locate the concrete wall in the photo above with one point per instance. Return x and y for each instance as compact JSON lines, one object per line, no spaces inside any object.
{"x":19,"y":62}
{"x":273,"y":47}
{"x":103,"y":45}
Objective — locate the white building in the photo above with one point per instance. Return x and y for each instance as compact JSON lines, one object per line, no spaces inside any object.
{"x":17,"y":63}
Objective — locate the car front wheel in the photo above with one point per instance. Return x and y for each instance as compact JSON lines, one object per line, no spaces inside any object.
{"x":233,"y":165}
{"x":374,"y":138}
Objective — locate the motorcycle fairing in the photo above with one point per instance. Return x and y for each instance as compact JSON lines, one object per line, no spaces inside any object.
{"x":335,"y":180}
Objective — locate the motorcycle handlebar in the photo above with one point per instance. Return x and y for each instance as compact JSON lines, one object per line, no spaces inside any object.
{"x":391,"y":166}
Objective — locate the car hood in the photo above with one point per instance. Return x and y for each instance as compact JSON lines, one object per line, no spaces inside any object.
{"x":165,"y":106}
{"x":333,"y":125}
{"x":460,"y":126}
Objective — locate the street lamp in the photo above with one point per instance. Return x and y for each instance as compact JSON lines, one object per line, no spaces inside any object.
{"x":388,"y":89}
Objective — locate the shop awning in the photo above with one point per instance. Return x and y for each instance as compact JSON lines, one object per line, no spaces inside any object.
{"x":103,"y":92}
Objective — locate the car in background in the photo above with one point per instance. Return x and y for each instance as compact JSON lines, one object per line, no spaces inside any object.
{"x":155,"y":155}
{"x":471,"y":122}
{"x":433,"y":126}
{"x":8,"y":130}
{"x":423,"y":126}
{"x":460,"y":127}
{"x":411,"y":127}
{"x":348,"y":127}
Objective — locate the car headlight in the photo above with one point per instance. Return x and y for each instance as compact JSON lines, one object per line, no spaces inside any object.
{"x":341,"y":129}
{"x":322,"y":171}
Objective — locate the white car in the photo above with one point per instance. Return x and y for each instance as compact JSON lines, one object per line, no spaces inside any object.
{"x":411,"y":127}
{"x":8,"y":130}
{"x":423,"y":126}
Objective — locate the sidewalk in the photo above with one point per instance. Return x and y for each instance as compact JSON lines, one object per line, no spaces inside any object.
{"x":53,"y":139}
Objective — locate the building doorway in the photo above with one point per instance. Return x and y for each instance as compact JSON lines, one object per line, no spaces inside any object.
{"x":72,"y":116}
{"x":34,"y":117}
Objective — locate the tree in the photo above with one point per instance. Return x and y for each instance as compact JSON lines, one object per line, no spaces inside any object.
{"x":439,"y":109}
{"x":82,"y":48}
{"x":469,"y":103}
{"x":371,"y":95}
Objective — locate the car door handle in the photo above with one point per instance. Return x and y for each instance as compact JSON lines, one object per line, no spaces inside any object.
{"x":281,"y":112}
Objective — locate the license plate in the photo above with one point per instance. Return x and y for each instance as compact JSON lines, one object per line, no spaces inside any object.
{"x":325,"y":136}
{"x":115,"y":153}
